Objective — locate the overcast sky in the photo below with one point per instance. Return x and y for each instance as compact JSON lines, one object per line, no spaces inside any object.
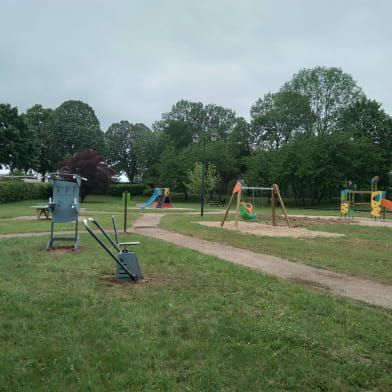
{"x":132,"y":60}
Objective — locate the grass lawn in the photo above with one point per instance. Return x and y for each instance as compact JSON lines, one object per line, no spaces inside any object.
{"x":197,"y":324}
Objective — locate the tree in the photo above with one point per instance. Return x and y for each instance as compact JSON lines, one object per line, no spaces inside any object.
{"x":317,"y":166}
{"x":329,"y":91}
{"x":90,"y":165}
{"x":238,"y":148}
{"x":125,"y":145}
{"x":172,"y":170}
{"x":71,"y":128}
{"x":370,"y":129}
{"x":36,"y":119}
{"x":187,"y":118}
{"x":278,"y":117}
{"x":194,"y":177}
{"x":18,"y":144}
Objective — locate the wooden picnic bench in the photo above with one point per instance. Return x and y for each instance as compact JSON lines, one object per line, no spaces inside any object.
{"x":42,"y":210}
{"x":217,"y":203}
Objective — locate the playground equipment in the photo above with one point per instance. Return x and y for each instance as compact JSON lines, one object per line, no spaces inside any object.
{"x":159,"y":199}
{"x":127,"y":264}
{"x":378,"y":202}
{"x":246,"y":209}
{"x":64,"y":205}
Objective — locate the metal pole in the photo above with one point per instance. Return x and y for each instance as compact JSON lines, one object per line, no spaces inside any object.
{"x":202,"y":177}
{"x":125,"y":210}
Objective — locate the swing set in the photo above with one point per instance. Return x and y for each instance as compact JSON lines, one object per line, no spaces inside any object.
{"x":246,"y":209}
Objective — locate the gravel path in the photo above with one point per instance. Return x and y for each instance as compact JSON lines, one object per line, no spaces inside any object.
{"x":366,"y":290}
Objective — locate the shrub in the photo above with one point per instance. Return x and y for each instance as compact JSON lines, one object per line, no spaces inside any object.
{"x":147,"y":192}
{"x":133,"y":189}
{"x":18,"y":190}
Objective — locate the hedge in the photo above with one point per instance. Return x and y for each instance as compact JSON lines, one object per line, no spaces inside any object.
{"x":18,"y":190}
{"x":133,"y":189}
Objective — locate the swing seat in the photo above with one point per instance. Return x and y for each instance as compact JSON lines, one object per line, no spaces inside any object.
{"x":246,"y":211}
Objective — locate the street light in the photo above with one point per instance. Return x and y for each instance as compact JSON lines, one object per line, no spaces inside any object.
{"x":195,"y":139}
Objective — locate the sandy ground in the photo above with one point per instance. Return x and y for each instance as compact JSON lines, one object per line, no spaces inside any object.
{"x":297,"y":222}
{"x":355,"y":221}
{"x":264,"y":229}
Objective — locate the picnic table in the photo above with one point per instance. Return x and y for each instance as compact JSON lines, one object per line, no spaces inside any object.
{"x":42,"y":210}
{"x":217,"y":203}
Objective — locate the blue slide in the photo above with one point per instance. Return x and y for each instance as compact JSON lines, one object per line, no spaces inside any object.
{"x":157,"y":192}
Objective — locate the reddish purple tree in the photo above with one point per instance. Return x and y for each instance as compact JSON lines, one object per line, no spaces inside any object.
{"x":91,"y":165}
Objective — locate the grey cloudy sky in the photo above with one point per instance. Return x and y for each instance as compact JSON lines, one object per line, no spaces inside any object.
{"x":132,"y":60}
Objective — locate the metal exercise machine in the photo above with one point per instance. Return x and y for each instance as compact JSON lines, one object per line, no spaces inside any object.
{"x":64,"y":205}
{"x":127,"y":264}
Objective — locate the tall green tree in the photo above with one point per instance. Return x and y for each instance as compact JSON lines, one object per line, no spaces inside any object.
{"x":19,"y":145}
{"x":71,"y":128}
{"x":172,"y":169}
{"x":126,"y":146}
{"x":278,"y":117}
{"x":370,"y":130}
{"x":329,"y":91}
{"x":36,"y":119}
{"x":239,"y":145}
{"x":187,"y":118}
{"x":317,"y":166}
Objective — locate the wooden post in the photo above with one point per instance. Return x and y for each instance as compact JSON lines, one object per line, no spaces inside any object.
{"x":282,"y":204}
{"x":228,"y":209}
{"x":236,"y":189}
{"x":237,"y":212}
{"x":273,"y":208}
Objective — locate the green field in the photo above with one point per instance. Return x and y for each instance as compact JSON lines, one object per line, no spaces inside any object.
{"x":197,"y":323}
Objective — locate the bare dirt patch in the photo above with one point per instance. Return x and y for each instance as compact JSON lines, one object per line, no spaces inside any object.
{"x":266,"y":228}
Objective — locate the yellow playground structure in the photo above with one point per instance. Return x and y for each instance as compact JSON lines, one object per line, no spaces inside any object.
{"x":378,"y":202}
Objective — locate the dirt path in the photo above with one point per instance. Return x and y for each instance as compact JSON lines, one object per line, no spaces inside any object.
{"x":357,"y":288}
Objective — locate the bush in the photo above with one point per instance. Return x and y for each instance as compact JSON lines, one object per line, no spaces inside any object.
{"x":18,"y":190}
{"x":133,"y":189}
{"x":147,"y":192}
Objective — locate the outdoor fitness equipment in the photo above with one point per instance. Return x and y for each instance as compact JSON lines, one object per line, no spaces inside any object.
{"x":127,"y":264}
{"x":64,"y":205}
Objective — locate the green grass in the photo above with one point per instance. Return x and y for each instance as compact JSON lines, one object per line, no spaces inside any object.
{"x":197,"y":324}
{"x":108,"y":203}
{"x":42,"y":225}
{"x":364,"y":250}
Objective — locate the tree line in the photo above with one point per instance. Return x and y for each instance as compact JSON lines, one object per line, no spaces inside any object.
{"x":317,"y":134}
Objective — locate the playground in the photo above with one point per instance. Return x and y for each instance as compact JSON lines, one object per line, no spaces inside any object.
{"x":313,"y":312}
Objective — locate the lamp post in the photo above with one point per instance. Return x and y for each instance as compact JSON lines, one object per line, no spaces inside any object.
{"x":195,"y":139}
